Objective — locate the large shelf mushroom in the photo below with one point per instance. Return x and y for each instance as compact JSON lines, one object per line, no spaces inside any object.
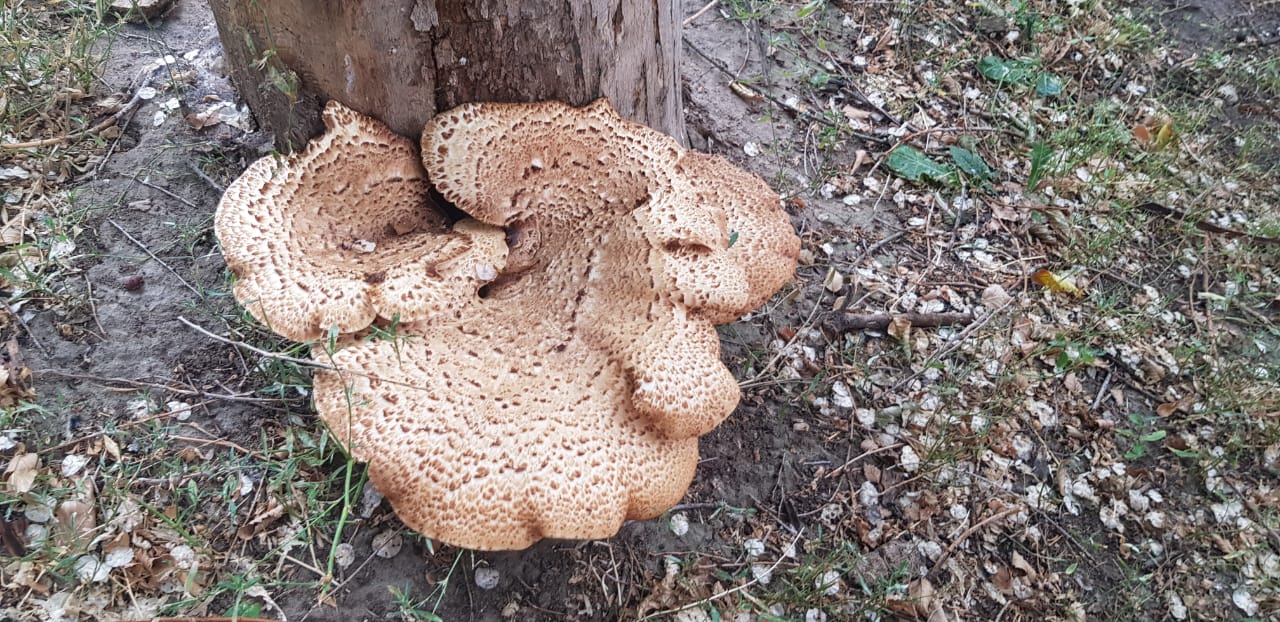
{"x":556,"y":357}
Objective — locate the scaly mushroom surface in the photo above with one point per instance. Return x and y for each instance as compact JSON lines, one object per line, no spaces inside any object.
{"x":565,"y":393}
{"x":344,"y":233}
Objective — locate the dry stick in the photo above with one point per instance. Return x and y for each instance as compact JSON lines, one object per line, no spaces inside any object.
{"x":695,"y":16}
{"x":1203,"y":225}
{"x":195,"y":168}
{"x":727,"y":592}
{"x":219,"y":442}
{"x":969,"y":532}
{"x":295,"y":360}
{"x":880,"y":321}
{"x":153,"y":256}
{"x":1102,"y":391}
{"x":955,"y":343}
{"x":170,"y":193}
{"x":194,"y":392}
{"x":866,"y":454}
{"x":23,"y":323}
{"x":94,"y":308}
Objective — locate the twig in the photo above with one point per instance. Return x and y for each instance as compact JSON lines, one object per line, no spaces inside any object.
{"x":193,"y":392}
{"x":219,"y":442}
{"x":880,"y":321}
{"x":153,"y":256}
{"x":695,"y":16}
{"x":866,"y":454}
{"x":195,"y":168}
{"x":177,"y":197}
{"x":93,"y":309}
{"x":946,"y":553}
{"x":297,"y":361}
{"x":1169,"y":212}
{"x":23,"y":323}
{"x":1102,"y":391}
{"x":950,"y":347}
{"x":722,"y":594}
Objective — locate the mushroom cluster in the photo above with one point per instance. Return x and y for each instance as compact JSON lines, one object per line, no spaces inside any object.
{"x":541,"y":367}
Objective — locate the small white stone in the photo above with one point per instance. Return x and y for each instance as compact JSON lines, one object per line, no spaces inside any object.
{"x":119,"y":557}
{"x":387,"y":544}
{"x":345,"y":555}
{"x":763,"y":573}
{"x":754,"y":547}
{"x":868,"y":495}
{"x":679,"y":524}
{"x":487,"y":578}
{"x":752,"y":149}
{"x":829,"y":583}
{"x":910,"y":461}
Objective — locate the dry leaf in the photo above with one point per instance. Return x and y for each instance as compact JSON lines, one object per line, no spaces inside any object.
{"x":900,"y":328}
{"x":1168,"y":408}
{"x":22,"y":472}
{"x":109,"y":445}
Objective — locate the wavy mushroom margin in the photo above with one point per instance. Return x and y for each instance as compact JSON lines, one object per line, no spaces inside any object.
{"x":562,"y":386}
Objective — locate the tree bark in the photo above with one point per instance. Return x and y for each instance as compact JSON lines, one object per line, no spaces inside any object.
{"x":402,"y":61}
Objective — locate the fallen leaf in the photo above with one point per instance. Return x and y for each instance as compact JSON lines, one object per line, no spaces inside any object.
{"x":1055,"y":284}
{"x":1168,"y":408}
{"x":22,"y":472}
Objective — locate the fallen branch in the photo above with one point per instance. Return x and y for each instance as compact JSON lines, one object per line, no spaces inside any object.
{"x":881,"y":321}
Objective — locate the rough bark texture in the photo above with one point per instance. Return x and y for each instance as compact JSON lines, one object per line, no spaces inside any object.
{"x":402,"y":61}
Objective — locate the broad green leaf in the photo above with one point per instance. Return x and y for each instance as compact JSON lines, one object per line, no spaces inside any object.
{"x":1048,"y":85}
{"x":1154,"y":436}
{"x":997,"y":69}
{"x":911,"y":163}
{"x":970,"y":163}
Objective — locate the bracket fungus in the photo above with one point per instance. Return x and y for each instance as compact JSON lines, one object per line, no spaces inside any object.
{"x":556,"y":357}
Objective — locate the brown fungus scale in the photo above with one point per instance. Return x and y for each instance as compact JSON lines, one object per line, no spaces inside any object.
{"x":565,"y":394}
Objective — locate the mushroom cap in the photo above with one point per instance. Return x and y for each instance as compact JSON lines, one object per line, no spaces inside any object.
{"x":633,"y":240}
{"x":493,"y":451}
{"x":556,"y":355}
{"x":344,"y":232}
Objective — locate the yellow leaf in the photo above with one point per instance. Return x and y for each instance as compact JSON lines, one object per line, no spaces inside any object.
{"x":1054,"y":283}
{"x":1165,"y":136}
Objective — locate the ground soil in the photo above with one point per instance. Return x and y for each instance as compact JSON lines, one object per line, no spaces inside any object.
{"x":763,"y":458}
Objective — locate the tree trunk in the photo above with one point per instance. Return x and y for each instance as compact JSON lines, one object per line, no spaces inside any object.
{"x":402,"y":61}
